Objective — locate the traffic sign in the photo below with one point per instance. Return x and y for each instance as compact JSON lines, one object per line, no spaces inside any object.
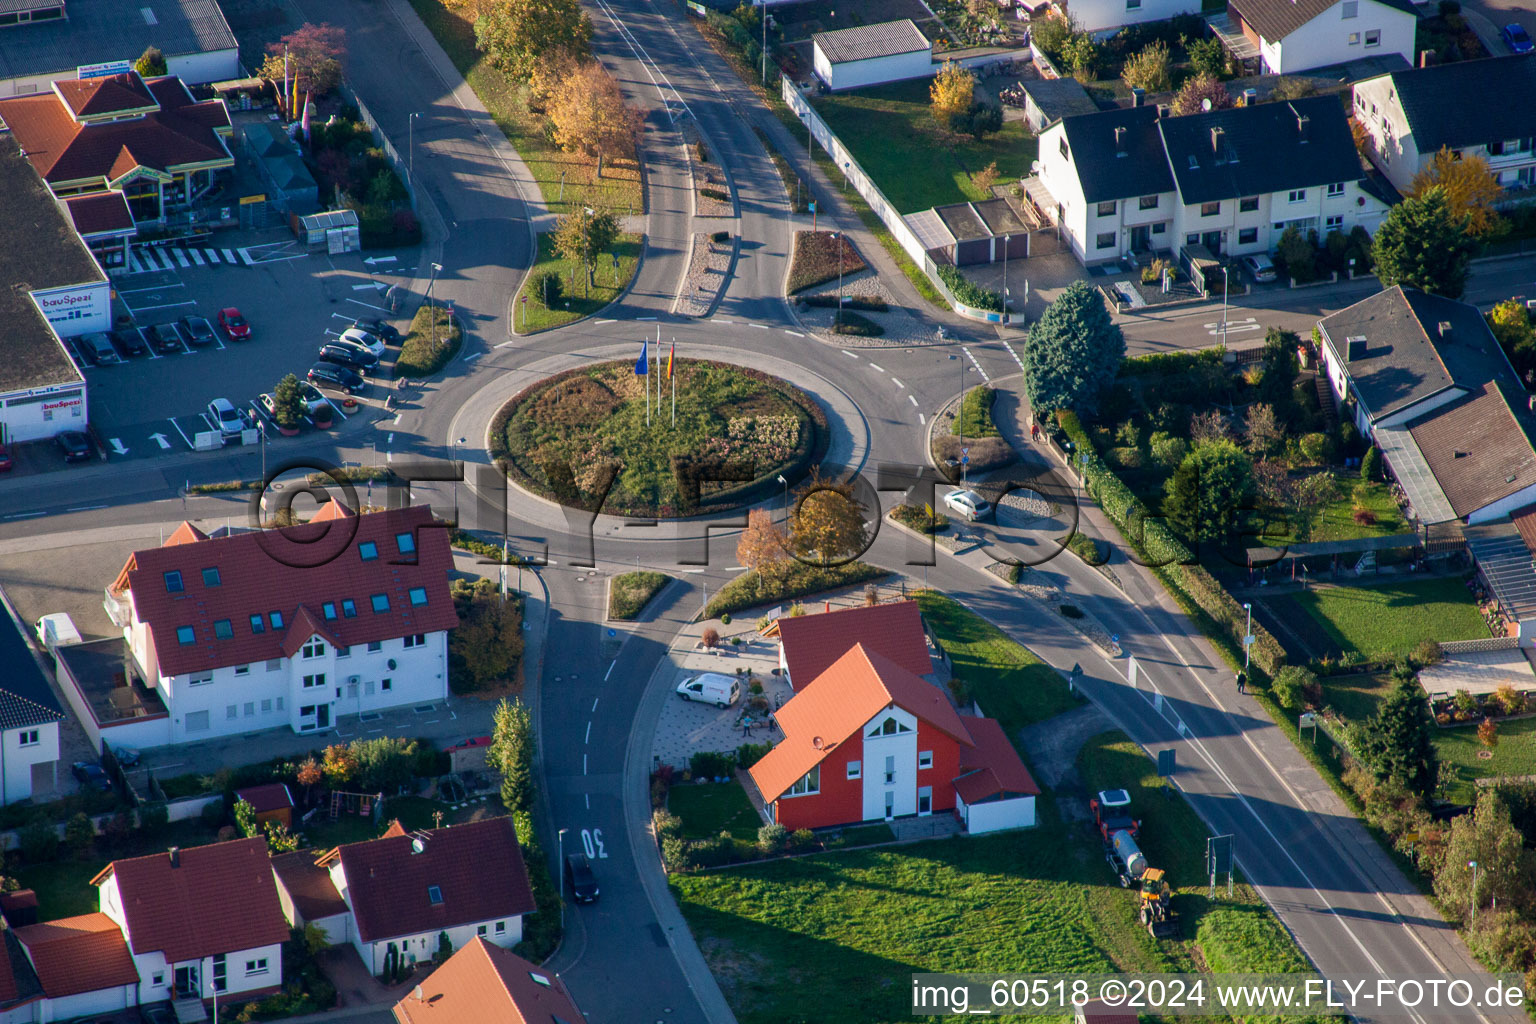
{"x":1250,"y":638}
{"x":1166,"y":762}
{"x":612,"y":633}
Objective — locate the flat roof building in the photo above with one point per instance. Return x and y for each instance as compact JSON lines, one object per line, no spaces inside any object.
{"x":43,"y":40}
{"x":50,"y":287}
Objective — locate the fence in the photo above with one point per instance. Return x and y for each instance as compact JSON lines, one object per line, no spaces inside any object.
{"x":402,"y":169}
{"x":866,"y":187}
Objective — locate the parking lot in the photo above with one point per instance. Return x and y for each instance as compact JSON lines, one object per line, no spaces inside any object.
{"x":156,"y":401}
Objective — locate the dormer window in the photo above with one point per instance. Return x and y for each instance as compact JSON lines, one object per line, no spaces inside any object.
{"x":434,"y":895}
{"x":314,"y":648}
{"x":368,"y":550}
{"x":173,"y":584}
{"x":211,"y":577}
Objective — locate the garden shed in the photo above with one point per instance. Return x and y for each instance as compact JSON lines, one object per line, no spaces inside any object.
{"x":890,"y":51}
{"x":335,"y":230}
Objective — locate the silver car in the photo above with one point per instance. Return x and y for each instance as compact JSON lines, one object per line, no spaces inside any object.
{"x":966,"y":504}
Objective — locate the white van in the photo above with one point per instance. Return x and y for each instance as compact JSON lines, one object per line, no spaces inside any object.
{"x":57,"y":630}
{"x":712,"y":687}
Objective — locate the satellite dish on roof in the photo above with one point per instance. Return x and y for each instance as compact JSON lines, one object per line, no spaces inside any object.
{"x":817,"y":742}
{"x":1205,"y":105}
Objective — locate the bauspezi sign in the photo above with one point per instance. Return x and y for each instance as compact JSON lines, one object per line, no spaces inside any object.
{"x":111,"y":67}
{"x":87,"y":302}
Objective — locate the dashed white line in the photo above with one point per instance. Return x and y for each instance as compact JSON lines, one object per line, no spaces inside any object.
{"x":877,"y":367}
{"x":719,"y":321}
{"x":979,"y":368}
{"x":594,"y":699}
{"x":912,"y":399}
{"x":473,"y":356}
{"x":845,"y":352}
{"x":589,"y":733}
{"x":761,"y":327}
{"x":922,"y":420}
{"x":85,"y":508}
{"x":605,"y":321}
{"x":25,"y":515}
{"x":583,"y":764}
{"x":605,"y":679}
{"x":645,"y":318}
{"x":795,"y":333}
{"x":589,"y":801}
{"x":509,"y":341}
{"x":897,"y":382}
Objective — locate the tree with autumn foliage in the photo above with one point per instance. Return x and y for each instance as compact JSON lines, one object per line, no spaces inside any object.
{"x":310,"y":775}
{"x":589,"y":116}
{"x":763,"y":548}
{"x":951,"y":93}
{"x":314,"y":55}
{"x":829,"y":526}
{"x":517,"y":35}
{"x":1191,"y":97}
{"x":1470,"y":188}
{"x":339,"y":765}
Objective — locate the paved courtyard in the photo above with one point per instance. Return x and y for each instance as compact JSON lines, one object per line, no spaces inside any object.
{"x":687,"y":727}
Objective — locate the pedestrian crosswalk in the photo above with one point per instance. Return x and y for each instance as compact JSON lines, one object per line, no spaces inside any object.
{"x":151,"y":258}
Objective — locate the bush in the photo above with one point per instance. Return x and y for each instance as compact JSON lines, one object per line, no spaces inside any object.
{"x":432,"y":340}
{"x":1294,"y":686}
{"x":1297,"y":255}
{"x":80,"y":834}
{"x":869,"y":303}
{"x":710,"y":638}
{"x":700,"y":153}
{"x":717,"y":194}
{"x":771,"y":839}
{"x":155,"y":817}
{"x":748,"y":754}
{"x":968,"y":292}
{"x":1370,"y":464}
{"x":720,"y":237}
{"x":708,"y":764}
{"x":802,"y":839}
{"x":1428,"y":652}
{"x":794,"y":580}
{"x":854,"y":325}
{"x":39,"y":841}
{"x":548,"y":288}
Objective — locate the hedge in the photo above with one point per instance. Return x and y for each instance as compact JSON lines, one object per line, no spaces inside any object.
{"x":420,"y":355}
{"x":797,"y":580}
{"x":968,"y":292}
{"x":1152,"y":538}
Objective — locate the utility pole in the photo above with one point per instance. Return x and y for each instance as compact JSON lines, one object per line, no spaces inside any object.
{"x":562,"y":879}
{"x":410,"y":171}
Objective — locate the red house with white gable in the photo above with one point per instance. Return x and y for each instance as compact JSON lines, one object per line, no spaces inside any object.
{"x":869,"y":740}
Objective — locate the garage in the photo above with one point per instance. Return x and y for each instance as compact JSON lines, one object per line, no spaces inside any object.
{"x":994,"y":790}
{"x":853,"y":58}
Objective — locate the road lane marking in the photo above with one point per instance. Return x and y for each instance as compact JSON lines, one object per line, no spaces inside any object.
{"x":197,"y":256}
{"x":212,"y":254}
{"x":845,"y":352}
{"x":181,"y":258}
{"x":877,"y":367}
{"x":605,"y":679}
{"x":583,"y":764}
{"x":589,"y":724}
{"x":370,"y":305}
{"x":922,"y":420}
{"x":594,"y":699}
{"x":229,"y":257}
{"x":966,"y":349}
{"x":645,"y":318}
{"x":510,"y":341}
{"x":25,"y":515}
{"x":897,"y":382}
{"x":85,"y":508}
{"x":761,"y":327}
{"x":913,"y":399}
{"x":795,"y":333}
{"x":473,"y":356}
{"x":600,"y":322}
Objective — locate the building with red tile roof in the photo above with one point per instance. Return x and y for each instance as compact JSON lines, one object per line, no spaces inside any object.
{"x":343,"y":615}
{"x":308,"y":895}
{"x":405,"y":890}
{"x":868,"y":740}
{"x":484,"y":984}
{"x":272,"y":802}
{"x":82,"y":963}
{"x":148,"y":139}
{"x":809,"y":644}
{"x":199,"y":919}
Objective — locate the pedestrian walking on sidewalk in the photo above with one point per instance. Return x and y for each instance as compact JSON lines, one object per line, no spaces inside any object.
{"x":1242,"y":682}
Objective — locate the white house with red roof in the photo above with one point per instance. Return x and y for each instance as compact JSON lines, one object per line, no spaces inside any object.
{"x":808,"y":644}
{"x":869,"y":740}
{"x":201,"y":920}
{"x":403,"y":891}
{"x":483,"y":982}
{"x":346,"y":614}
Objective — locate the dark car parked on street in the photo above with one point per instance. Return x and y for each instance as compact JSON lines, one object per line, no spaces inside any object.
{"x":91,"y":776}
{"x":129,"y":341}
{"x":198,"y":331}
{"x":578,"y":873}
{"x":166,"y":339}
{"x":75,"y":446}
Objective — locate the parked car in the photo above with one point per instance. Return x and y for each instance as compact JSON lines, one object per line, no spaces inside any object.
{"x":165,"y":338}
{"x":5,"y":459}
{"x":966,"y":504}
{"x":1516,"y":38}
{"x":347,"y":354}
{"x":715,"y":688}
{"x":314,"y":399}
{"x":235,"y":325}
{"x":368,"y":341}
{"x":1259,"y":267}
{"x":57,"y":629}
{"x":336,"y":376}
{"x":75,"y":446}
{"x":578,"y":872}
{"x":98,"y":349}
{"x":129,"y":341}
{"x":197,"y":330}
{"x":226,"y":418}
{"x":91,"y":776}
{"x":381,"y":328}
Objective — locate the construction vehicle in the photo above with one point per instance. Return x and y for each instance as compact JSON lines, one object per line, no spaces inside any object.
{"x":1112,"y":814}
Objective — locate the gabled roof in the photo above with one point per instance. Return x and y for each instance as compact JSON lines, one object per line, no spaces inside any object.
{"x":1468,"y":102}
{"x":837,"y":704}
{"x":991,"y":767}
{"x":293,"y":572}
{"x":183,"y":131}
{"x":308,"y":884}
{"x":26,"y":699}
{"x":813,"y":642}
{"x":1276,"y":19}
{"x":1406,"y":359}
{"x":485,"y":984}
{"x":271,"y":796}
{"x":1478,"y":447}
{"x":1117,"y":154}
{"x":865,"y":42}
{"x":477,"y":869}
{"x":1270,"y":147}
{"x":219,"y":898}
{"x":1059,"y":97}
{"x":100,"y":213}
{"x":98,"y":97}
{"x":78,"y":954}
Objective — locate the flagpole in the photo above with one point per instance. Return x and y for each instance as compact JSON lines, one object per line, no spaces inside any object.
{"x":647,"y":382}
{"x":672,"y":375}
{"x":658,"y":376}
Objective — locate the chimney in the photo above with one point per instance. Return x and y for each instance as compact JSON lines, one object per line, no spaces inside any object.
{"x":1163,"y":110}
{"x":1302,"y":120}
{"x":175,"y":855}
{"x":1444,"y":328}
{"x":1355,"y":345}
{"x":1250,"y":97}
{"x":1138,"y":96}
{"x":1424,"y":58}
{"x":1216,"y":136}
{"x":1119,"y":140}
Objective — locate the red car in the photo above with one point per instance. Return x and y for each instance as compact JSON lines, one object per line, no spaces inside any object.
{"x":5,"y":459}
{"x":235,"y":325}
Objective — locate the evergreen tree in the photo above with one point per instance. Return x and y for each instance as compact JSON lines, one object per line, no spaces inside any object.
{"x":1423,"y":244}
{"x":1074,"y":352}
{"x":1209,"y":492}
{"x":1398,"y":742}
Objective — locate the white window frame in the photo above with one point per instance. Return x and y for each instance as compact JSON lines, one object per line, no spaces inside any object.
{"x":29,"y":738}
{"x":855,"y":769}
{"x":1296,"y":195}
{"x":924,"y":759}
{"x":1370,"y":42}
{"x":313,"y":648}
{"x":1335,"y":189}
{"x":808,"y":784}
{"x":257,"y":966}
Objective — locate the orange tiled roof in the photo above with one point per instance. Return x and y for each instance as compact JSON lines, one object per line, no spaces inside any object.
{"x":813,"y":642}
{"x":78,"y":954}
{"x":485,"y":984}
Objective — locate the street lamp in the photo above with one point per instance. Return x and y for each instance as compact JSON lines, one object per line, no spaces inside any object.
{"x":837,"y":317}
{"x":846,"y":167}
{"x":1226,"y":274}
{"x":1247,"y":637}
{"x":410,"y":166}
{"x":586,"y":261}
{"x":1473,"y":865}
{"x":786,"y":499}
{"x":562,"y":880}
{"x":1006,"y":239}
{"x":432,"y":313}
{"x":458,"y":472}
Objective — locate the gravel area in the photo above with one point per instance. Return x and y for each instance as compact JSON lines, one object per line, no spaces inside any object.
{"x":708,"y":272}
{"x":705,"y":174}
{"x":1022,"y":506}
{"x":902,"y":329}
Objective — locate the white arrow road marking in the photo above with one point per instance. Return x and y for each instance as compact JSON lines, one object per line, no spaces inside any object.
{"x":374,"y":261}
{"x":160,"y":439}
{"x":370,"y":286}
{"x":117,"y":446}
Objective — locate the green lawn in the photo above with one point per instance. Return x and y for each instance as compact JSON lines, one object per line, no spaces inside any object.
{"x":630,"y":592}
{"x":63,"y":886}
{"x":1011,"y":684}
{"x":1335,"y":521}
{"x":890,"y":131}
{"x":1392,"y":618}
{"x":578,"y":300}
{"x":709,"y":808}
{"x":1356,"y":697}
{"x":1515,"y":754}
{"x":568,"y":181}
